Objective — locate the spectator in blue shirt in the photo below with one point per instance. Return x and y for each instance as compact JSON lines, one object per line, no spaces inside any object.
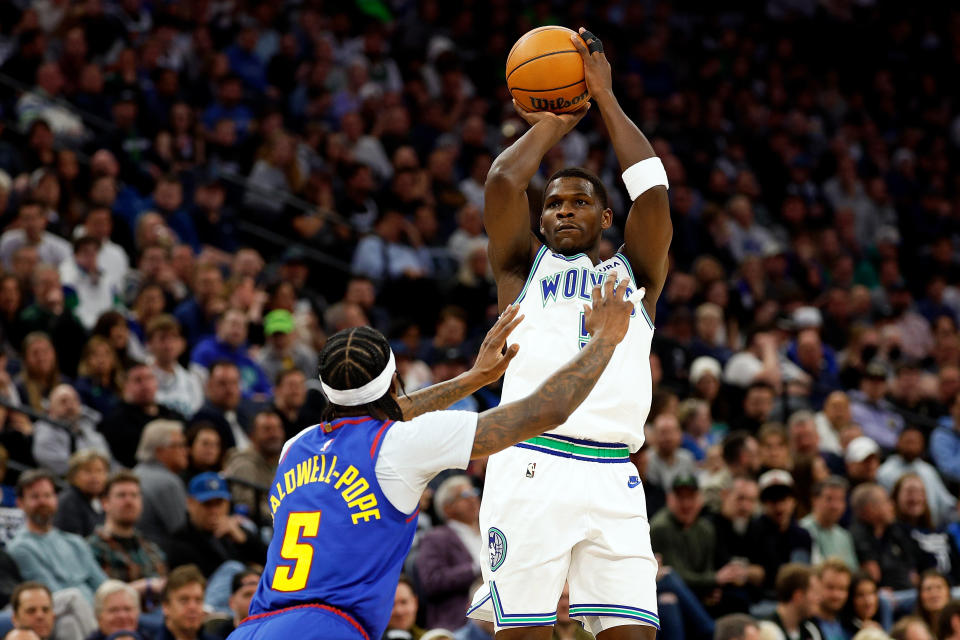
{"x":945,"y":444}
{"x":228,"y":107}
{"x":168,"y":201}
{"x":245,"y":62}
{"x":230,"y":344}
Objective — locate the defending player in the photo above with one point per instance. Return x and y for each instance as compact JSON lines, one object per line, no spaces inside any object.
{"x":346,"y":492}
{"x":568,"y":505}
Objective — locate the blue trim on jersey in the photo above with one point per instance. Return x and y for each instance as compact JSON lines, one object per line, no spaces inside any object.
{"x":478,"y":605}
{"x":533,"y":269}
{"x":589,"y":443}
{"x":564,"y":454}
{"x":519,"y":619}
{"x":572,"y":258}
{"x":634,"y":279}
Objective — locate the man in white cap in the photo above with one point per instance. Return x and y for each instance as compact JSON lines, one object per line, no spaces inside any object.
{"x":863,"y":459}
{"x":779,"y":538}
{"x":870,"y":409}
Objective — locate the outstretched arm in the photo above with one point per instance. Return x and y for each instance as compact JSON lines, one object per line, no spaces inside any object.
{"x":506,"y":212}
{"x":648,"y":231}
{"x":552,"y":403}
{"x":491,"y":362}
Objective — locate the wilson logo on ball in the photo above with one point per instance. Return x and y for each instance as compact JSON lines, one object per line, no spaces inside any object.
{"x":557,"y":104}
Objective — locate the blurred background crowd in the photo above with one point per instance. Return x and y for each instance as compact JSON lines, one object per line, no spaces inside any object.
{"x":194,"y":194}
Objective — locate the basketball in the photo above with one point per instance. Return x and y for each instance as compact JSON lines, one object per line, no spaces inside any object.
{"x":545,"y":71}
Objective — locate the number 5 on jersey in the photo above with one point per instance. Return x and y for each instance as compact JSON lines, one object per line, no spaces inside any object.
{"x":307,"y":525}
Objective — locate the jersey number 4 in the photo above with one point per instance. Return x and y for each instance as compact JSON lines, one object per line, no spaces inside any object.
{"x":305,"y":524}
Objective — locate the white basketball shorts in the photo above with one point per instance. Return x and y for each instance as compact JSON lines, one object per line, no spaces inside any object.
{"x":559,"y":509}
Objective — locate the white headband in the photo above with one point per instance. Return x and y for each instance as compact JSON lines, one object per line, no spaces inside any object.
{"x":369,"y":392}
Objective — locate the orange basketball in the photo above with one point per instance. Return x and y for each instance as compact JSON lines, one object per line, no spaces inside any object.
{"x":545,"y":71}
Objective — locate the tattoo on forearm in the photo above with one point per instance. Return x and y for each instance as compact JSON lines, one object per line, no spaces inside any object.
{"x":435,"y":397}
{"x":548,"y":406}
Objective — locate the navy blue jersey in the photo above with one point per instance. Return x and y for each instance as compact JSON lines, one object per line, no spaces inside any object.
{"x":337,"y":540}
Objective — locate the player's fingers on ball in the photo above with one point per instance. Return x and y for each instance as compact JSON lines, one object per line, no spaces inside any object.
{"x":578,"y":44}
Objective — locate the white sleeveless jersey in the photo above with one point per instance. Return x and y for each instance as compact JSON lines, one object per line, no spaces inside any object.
{"x":553,"y":332}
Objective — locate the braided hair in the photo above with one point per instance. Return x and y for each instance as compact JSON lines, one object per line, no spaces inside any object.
{"x":350,"y":359}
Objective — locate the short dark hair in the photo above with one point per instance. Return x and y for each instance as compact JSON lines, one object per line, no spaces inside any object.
{"x":599,"y":190}
{"x":833,"y":482}
{"x":760,"y":385}
{"x":29,"y":478}
{"x":30,"y":585}
{"x":181,"y":577}
{"x":283,"y":375}
{"x":237,"y":582}
{"x":733,"y":626}
{"x":83,"y":241}
{"x":120,"y":477}
{"x":792,"y":577}
{"x":733,"y":446}
{"x":222,"y":363}
{"x":163,"y":323}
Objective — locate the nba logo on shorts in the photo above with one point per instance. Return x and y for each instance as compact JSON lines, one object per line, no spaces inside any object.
{"x":498,"y":548}
{"x":531,"y":469}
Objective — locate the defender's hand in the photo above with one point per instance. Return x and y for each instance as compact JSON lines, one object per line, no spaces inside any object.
{"x":610,"y":312}
{"x":596,"y":68}
{"x":492,"y":360}
{"x":565,"y":121}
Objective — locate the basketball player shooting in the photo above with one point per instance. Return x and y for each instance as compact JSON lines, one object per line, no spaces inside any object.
{"x":567,"y":505}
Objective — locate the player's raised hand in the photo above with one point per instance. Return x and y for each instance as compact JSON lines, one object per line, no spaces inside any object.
{"x":609,"y":313}
{"x":567,"y":121}
{"x":492,"y":360}
{"x":596,"y":67}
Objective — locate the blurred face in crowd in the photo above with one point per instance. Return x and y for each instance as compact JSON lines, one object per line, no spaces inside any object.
{"x":39,"y":504}
{"x":174,"y":454}
{"x":835,"y":586}
{"x":291,"y":393}
{"x":949,"y":384}
{"x":183,"y":610}
{"x":240,"y":599}
{"x":86,"y":256}
{"x":829,"y":506}
{"x":10,"y":297}
{"x":168,"y":196}
{"x":99,"y":224}
{"x":780,"y":509}
{"x":810,"y":603}
{"x":464,"y":506}
{"x":39,"y":358}
{"x":267,"y":435}
{"x":809,"y":350}
{"x":707,"y":387}
{"x":223,"y":388}
{"x":934,"y":593}
{"x":879,"y":511}
{"x":451,"y":331}
{"x":91,"y":478}
{"x":685,"y":504}
{"x":912,"y":497}
{"x":121,"y":612}
{"x":140,"y":387}
{"x":209,"y":284}
{"x":837,"y":409}
{"x":232,"y":328}
{"x":774,"y":452}
{"x":100,"y":358}
{"x":758,"y":404}
{"x":572,"y":217}
{"x":667,"y":433}
{"x":33,"y":222}
{"x":361,"y":291}
{"x":64,"y":403}
{"x":874,"y":388}
{"x":911,"y":444}
{"x":205,"y":451}
{"x":35,"y":611}
{"x":123,"y":503}
{"x":741,"y":501}
{"x":803,"y":436}
{"x":404,"y":608}
{"x":208,"y":515}
{"x":865,"y":600}
{"x":25,"y":261}
{"x":166,"y":347}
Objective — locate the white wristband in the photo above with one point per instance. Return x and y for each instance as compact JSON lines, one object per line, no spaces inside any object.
{"x":644,"y":175}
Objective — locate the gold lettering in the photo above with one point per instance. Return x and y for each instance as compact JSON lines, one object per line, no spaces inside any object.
{"x":303,"y":472}
{"x":313,"y":474}
{"x":348,"y":477}
{"x":355,"y":489}
{"x":364,"y":502}
{"x":274,"y":504}
{"x":333,"y":464}
{"x":365,"y":515}
{"x":290,"y":480}
{"x":280,"y":492}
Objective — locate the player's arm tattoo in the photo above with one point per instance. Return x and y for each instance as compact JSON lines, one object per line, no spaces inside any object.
{"x":437,"y":397}
{"x":549,"y":406}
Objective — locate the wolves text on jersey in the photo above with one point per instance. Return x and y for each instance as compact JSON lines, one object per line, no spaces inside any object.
{"x":353,"y":488}
{"x":575,"y":282}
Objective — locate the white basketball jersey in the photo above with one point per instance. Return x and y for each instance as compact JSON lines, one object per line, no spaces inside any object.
{"x":553,"y":332}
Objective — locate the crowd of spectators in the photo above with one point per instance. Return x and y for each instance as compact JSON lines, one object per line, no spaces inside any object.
{"x":193,"y":195}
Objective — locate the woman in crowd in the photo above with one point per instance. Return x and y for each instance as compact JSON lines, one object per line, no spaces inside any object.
{"x":99,"y":379}
{"x":79,"y":509}
{"x":862,"y":610}
{"x":205,"y":450}
{"x":40,"y":373}
{"x":112,"y":326}
{"x":933,"y":594}
{"x":935,"y":547}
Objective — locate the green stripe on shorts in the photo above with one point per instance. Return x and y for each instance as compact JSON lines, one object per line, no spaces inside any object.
{"x":579,"y":449}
